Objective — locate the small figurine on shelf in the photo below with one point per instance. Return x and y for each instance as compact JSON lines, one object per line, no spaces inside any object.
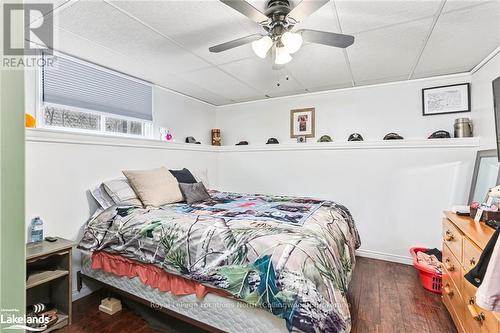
{"x":216,"y":138}
{"x":165,"y":134}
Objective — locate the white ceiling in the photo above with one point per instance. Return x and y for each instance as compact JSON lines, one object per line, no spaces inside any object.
{"x":166,"y":42}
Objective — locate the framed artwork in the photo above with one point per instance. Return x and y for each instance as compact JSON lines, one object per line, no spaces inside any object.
{"x":454,"y":98}
{"x":302,"y":123}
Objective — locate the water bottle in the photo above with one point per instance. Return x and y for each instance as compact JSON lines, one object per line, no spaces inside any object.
{"x":36,"y":230}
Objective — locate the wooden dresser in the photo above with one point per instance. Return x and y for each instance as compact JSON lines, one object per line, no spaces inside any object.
{"x":463,"y":242}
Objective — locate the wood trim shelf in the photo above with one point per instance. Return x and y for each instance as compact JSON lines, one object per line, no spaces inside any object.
{"x":66,"y":137}
{"x":42,"y":277}
{"x":359,"y":145}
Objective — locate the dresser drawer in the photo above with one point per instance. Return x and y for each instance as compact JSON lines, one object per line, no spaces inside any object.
{"x":477,"y":320}
{"x":452,"y":295}
{"x":471,"y":254}
{"x":453,"y":238}
{"x":451,"y":265}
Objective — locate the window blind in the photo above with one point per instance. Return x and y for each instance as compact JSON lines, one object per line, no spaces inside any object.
{"x":73,"y":83}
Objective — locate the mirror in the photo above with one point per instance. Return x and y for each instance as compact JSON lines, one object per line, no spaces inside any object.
{"x":485,"y":176}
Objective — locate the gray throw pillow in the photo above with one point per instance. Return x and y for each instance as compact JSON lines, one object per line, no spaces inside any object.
{"x":194,"y":192}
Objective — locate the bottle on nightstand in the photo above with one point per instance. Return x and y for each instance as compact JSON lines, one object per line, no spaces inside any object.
{"x":36,"y":230}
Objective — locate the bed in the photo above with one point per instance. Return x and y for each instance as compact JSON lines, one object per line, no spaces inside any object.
{"x":269,"y":263}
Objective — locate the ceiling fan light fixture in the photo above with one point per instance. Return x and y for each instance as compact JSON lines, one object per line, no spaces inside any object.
{"x":282,"y":56}
{"x":262,"y":46}
{"x":292,"y":41}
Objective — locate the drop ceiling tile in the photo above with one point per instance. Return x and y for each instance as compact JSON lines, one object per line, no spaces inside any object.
{"x":451,"y":5}
{"x":35,"y":15}
{"x":441,"y":71}
{"x":259,"y":73}
{"x":72,"y":44}
{"x":330,"y":87}
{"x":322,"y":19}
{"x":319,"y":66}
{"x":382,"y":80}
{"x":461,"y":39}
{"x":196,"y":25}
{"x":387,"y":52}
{"x":358,"y":16}
{"x":190,"y":89}
{"x":287,"y":92}
{"x":104,"y":24}
{"x":220,"y":83}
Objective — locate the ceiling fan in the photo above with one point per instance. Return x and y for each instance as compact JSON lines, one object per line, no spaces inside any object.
{"x":278,"y":21}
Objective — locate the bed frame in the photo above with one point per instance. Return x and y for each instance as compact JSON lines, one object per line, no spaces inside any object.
{"x":79,"y":283}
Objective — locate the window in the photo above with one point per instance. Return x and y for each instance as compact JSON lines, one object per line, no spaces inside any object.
{"x":79,"y":96}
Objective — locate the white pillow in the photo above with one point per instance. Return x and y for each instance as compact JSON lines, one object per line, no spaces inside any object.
{"x":121,"y":192}
{"x":156,"y":187}
{"x":102,"y":197}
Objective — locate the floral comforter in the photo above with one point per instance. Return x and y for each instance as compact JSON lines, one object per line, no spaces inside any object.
{"x":291,"y":256}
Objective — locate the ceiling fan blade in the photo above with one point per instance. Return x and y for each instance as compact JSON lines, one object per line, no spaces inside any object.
{"x":326,"y":38}
{"x":246,"y":9}
{"x":306,"y":8}
{"x":234,"y":43}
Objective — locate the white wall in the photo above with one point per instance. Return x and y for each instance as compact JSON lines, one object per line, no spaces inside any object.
{"x":482,"y":101}
{"x":396,"y":195}
{"x":182,"y":115}
{"x":372,"y":111}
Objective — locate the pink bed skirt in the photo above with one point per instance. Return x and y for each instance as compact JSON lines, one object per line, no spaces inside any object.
{"x":150,"y":275}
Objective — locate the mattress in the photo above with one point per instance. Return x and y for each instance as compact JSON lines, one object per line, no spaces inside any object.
{"x":223,"y":313}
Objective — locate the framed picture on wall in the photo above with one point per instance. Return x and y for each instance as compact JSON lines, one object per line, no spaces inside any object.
{"x":302,"y":123}
{"x":454,"y":98}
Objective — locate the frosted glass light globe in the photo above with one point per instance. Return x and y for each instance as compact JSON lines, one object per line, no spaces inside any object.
{"x":292,"y":41}
{"x":282,"y":56}
{"x":262,"y":46}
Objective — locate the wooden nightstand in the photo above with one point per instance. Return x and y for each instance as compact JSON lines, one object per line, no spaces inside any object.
{"x":48,"y":277}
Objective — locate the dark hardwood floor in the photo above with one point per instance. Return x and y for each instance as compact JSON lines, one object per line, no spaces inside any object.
{"x":383,"y":297}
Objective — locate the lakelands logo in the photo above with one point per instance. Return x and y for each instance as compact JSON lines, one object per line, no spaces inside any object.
{"x":17,"y":322}
{"x":21,"y":48}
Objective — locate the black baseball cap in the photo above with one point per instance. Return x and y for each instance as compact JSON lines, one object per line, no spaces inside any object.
{"x":355,"y":137}
{"x":393,"y":136}
{"x":272,"y":141}
{"x":242,"y":143}
{"x":191,"y":139}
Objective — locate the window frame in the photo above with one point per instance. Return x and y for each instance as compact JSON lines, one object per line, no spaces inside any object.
{"x":147,"y":126}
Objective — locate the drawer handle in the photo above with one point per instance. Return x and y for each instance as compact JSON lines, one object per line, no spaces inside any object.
{"x":448,"y":266}
{"x":478,"y":316}
{"x":448,"y":291}
{"x":449,"y":236}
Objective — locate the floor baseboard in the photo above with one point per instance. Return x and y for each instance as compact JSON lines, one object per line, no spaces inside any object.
{"x":385,"y":256}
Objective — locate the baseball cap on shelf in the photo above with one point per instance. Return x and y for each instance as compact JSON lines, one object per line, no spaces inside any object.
{"x":325,"y":138}
{"x":272,"y":141}
{"x":441,"y":134}
{"x":393,"y":136}
{"x":242,"y":143}
{"x":191,"y":139}
{"x":355,"y":137}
